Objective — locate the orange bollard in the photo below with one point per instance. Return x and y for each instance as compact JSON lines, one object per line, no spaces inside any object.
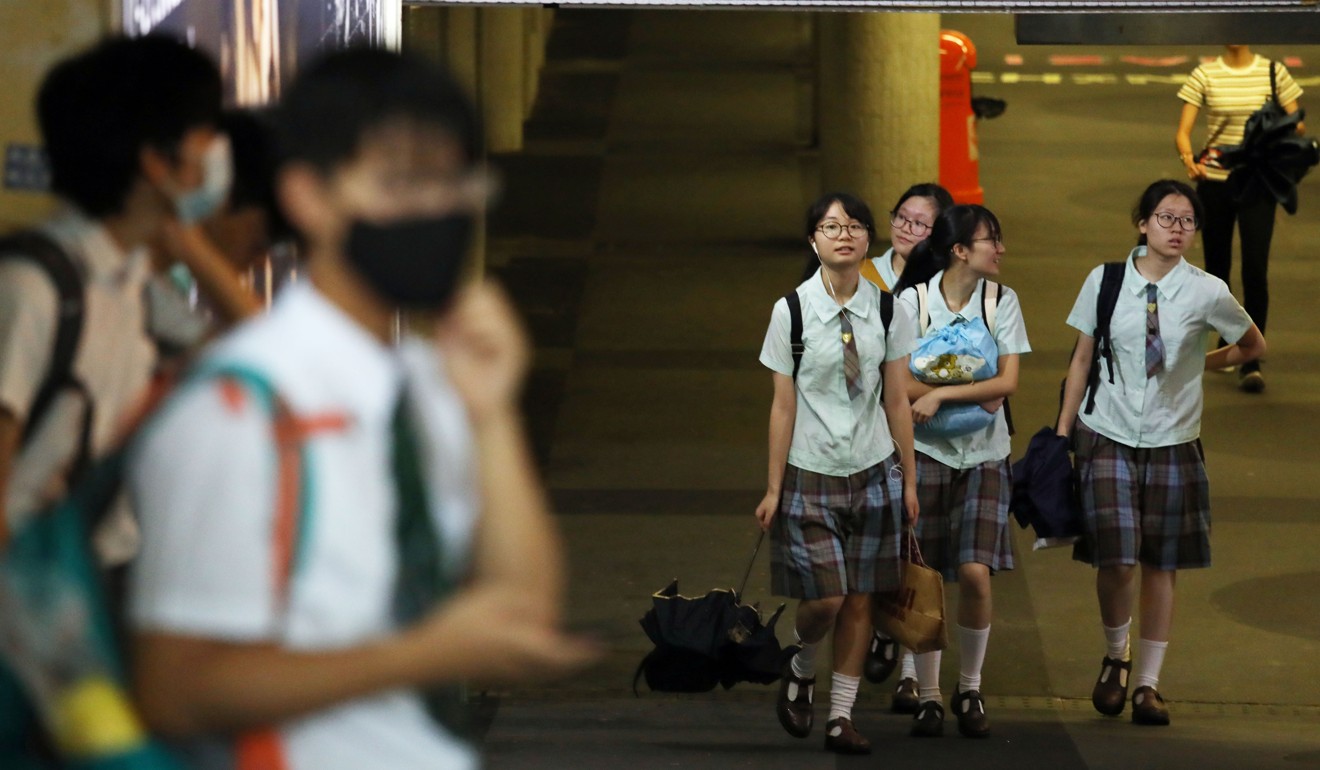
{"x":960,"y":156}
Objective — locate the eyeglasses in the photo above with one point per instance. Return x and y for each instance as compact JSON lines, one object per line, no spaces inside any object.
{"x":833,"y":230}
{"x":1166,"y":220}
{"x":916,"y":228}
{"x":996,"y":242}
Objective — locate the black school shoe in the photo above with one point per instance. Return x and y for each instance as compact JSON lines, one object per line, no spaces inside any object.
{"x":881,"y":659}
{"x":795,"y":713}
{"x":905,"y":697}
{"x":1148,"y":707}
{"x":929,"y":721}
{"x":1109,"y":695}
{"x":969,"y":708}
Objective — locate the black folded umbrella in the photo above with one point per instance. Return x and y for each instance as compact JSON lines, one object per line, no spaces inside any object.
{"x":1044,"y":496}
{"x":1271,"y":159}
{"x":701,"y":642}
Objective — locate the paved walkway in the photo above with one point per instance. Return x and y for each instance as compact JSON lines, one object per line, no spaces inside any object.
{"x":648,"y":226}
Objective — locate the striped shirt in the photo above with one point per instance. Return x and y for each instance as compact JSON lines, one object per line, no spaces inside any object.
{"x":1230,"y":96}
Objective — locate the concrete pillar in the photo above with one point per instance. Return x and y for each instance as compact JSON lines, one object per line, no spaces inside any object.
{"x":503,"y":77}
{"x":33,"y":36}
{"x":877,"y":98}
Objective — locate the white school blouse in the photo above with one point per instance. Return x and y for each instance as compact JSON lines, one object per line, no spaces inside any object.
{"x":1165,"y":409}
{"x":833,"y":434}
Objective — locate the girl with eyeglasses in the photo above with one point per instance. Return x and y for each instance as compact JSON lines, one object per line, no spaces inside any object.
{"x":841,"y":476}
{"x":1139,"y":463}
{"x":963,"y":481}
{"x":910,"y":221}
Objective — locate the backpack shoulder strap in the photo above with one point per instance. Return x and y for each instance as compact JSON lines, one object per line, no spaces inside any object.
{"x":289,"y":523}
{"x":990,"y":290}
{"x":67,"y":279}
{"x":886,"y":311}
{"x":795,"y":343}
{"x":923,"y":310}
{"x":1111,"y":283}
{"x":870,"y":273}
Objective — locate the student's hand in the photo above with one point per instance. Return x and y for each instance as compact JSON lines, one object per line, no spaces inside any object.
{"x":924,"y":408}
{"x":765,"y":512}
{"x":992,"y":405}
{"x":1196,"y":171}
{"x":910,"y":506}
{"x":494,"y":636}
{"x":485,"y":350}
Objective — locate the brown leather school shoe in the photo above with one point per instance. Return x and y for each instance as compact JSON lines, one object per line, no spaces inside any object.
{"x":793,"y":706}
{"x":881,"y":659}
{"x":905,"y":697}
{"x":1148,"y":707}
{"x":969,"y":708}
{"x":1110,"y":693}
{"x":842,"y":738}
{"x":929,"y":721}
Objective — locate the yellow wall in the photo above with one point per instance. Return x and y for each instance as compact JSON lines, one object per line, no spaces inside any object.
{"x":33,"y":35}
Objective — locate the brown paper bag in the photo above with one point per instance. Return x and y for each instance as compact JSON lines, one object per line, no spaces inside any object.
{"x":914,"y":616}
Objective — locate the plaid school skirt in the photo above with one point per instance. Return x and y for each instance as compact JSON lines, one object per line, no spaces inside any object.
{"x":1148,"y":506}
{"x":836,"y":535}
{"x":964,"y":515}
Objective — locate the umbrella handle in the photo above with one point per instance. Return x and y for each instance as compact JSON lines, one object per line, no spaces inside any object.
{"x":760,"y":536}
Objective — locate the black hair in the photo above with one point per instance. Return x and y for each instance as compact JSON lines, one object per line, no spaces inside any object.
{"x":852,"y":206}
{"x":252,"y":140}
{"x":955,"y":225}
{"x":346,"y":94}
{"x":100,"y":108}
{"x":943,"y":200}
{"x":1157,"y":192}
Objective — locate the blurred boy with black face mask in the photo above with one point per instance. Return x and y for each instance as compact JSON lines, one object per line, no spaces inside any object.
{"x":423,"y":554}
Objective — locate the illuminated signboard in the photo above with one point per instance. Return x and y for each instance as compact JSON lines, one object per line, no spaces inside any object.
{"x":258,"y":43}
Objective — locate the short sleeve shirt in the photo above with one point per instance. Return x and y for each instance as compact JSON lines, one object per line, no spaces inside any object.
{"x":992,"y":442}
{"x":203,"y":481}
{"x":833,"y":434}
{"x":1163,"y":410}
{"x":884,"y":265}
{"x":115,"y":358}
{"x":1229,"y":96}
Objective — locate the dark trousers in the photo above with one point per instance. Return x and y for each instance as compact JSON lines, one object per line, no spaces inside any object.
{"x":1255,"y":221}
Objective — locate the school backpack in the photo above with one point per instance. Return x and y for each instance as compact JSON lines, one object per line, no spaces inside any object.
{"x":66,"y":276}
{"x":1111,"y":282}
{"x":797,"y":347}
{"x":66,"y":705}
{"x":989,"y":310}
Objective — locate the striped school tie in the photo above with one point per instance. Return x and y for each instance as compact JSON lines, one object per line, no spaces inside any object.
{"x":1154,"y":345}
{"x":852,"y":365}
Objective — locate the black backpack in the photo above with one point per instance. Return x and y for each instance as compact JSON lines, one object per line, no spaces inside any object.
{"x":67,"y":278}
{"x":1110,"y":285}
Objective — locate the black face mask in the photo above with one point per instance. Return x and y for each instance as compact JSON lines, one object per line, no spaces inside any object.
{"x":412,"y":263}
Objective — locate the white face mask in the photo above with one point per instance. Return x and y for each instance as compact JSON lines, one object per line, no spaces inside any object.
{"x":207,"y":198}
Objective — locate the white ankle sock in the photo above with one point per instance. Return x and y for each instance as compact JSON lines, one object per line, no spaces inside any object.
{"x":907,"y":665}
{"x":843,"y":692}
{"x":1150,"y":659}
{"x":804,"y":662}
{"x":1116,"y":640}
{"x":928,"y":675}
{"x":971,"y":656}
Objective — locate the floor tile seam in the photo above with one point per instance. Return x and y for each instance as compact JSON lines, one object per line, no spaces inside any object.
{"x":1007,"y":703}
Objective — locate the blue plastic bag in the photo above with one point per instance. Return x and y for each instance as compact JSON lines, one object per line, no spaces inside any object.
{"x":957,"y":354}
